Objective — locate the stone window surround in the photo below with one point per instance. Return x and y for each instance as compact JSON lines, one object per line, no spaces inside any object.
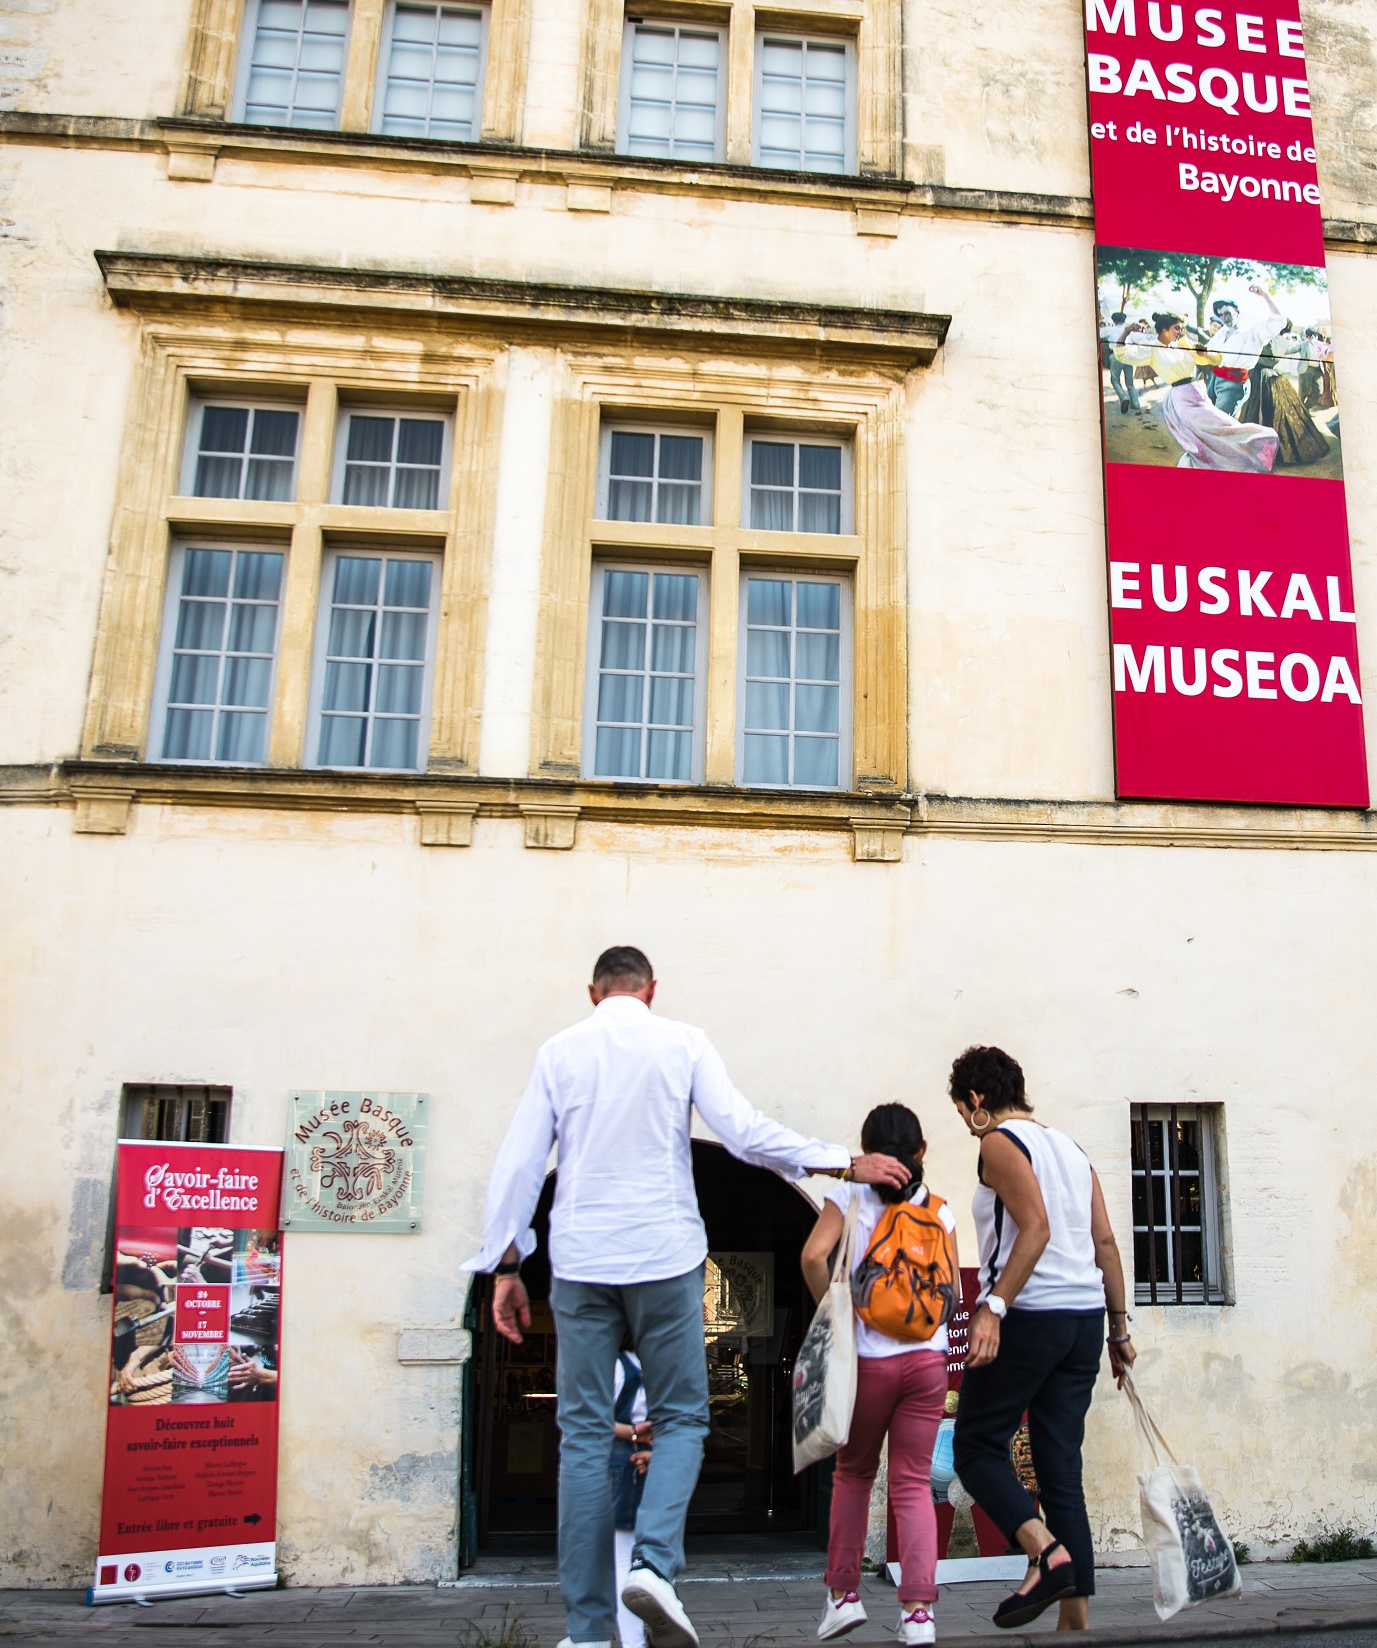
{"x":284,"y":329}
{"x":874,"y":26}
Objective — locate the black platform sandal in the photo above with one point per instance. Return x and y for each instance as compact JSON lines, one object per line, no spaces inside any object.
{"x":1053,"y":1584}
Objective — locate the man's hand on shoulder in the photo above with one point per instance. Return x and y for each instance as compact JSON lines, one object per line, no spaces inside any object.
{"x":511,"y":1307}
{"x":875,"y":1169}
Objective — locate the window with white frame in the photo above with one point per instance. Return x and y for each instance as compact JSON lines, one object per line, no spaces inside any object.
{"x":646,"y":655}
{"x":292,"y":72}
{"x":654,"y":475}
{"x":671,"y":92}
{"x":1176,"y":1205}
{"x":213,"y":691}
{"x":431,"y":72}
{"x":373,"y":661}
{"x":805,"y":101}
{"x":798,"y":485}
{"x":241,"y":452}
{"x":392,"y":462}
{"x":793,"y":707}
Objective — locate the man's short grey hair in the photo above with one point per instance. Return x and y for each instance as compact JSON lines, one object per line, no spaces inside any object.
{"x":622,"y":967}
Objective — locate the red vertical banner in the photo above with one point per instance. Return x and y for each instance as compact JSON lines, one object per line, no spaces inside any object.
{"x":1232,"y":627}
{"x":190,"y":1493}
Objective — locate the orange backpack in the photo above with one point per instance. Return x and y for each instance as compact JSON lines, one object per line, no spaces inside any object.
{"x":906,"y":1285}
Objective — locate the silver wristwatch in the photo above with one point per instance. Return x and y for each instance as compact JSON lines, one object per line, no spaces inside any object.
{"x":996,"y":1305}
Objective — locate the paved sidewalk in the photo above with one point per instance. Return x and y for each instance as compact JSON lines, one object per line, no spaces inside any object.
{"x":763,"y":1612}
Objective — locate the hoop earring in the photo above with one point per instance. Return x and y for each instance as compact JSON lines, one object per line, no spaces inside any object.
{"x":981,"y":1127}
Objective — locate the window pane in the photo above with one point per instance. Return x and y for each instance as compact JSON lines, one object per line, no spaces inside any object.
{"x":417,"y":489}
{"x":399,"y":689}
{"x":681,"y":458}
{"x":420,"y":441}
{"x":404,"y":635}
{"x":671,"y":700}
{"x":624,"y":594}
{"x":218,"y":477}
{"x":767,"y":704}
{"x":669,"y":755}
{"x":370,"y":439}
{"x":206,"y":572}
{"x":772,"y":511}
{"x":1140,"y":1200}
{"x":816,"y":709}
{"x":201,"y":625}
{"x":251,"y":627}
{"x":269,"y":479}
{"x":767,"y":652}
{"x":195,"y":678}
{"x":677,"y":504}
{"x":676,"y":596}
{"x":768,"y":601}
{"x":356,"y":580}
{"x":240,"y":738}
{"x":817,"y":657}
{"x":623,"y":646}
{"x":618,"y":753}
{"x":224,"y":428}
{"x":772,"y":464}
{"x":246,"y":682}
{"x":673,"y":646}
{"x":346,"y":686}
{"x":187,"y":737}
{"x":366,"y":485}
{"x":629,"y":500}
{"x":408,"y":585}
{"x":394,"y":744}
{"x":342,"y":740}
{"x":819,"y":467}
{"x":819,"y":606}
{"x":632,"y":454}
{"x":257,"y":577}
{"x":352,"y":632}
{"x":619,"y":697}
{"x":1192,"y":1257}
{"x":274,"y":434}
{"x":815,"y":761}
{"x":819,"y":512}
{"x":1187,"y":1146}
{"x":767,"y":759}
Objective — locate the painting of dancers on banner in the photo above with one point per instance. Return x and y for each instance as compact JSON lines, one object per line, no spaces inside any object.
{"x":1217,"y":363}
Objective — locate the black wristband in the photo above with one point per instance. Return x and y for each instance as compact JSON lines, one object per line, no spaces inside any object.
{"x":512,"y":1269}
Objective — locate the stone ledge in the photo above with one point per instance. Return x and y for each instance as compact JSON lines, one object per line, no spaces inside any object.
{"x":447,"y":804}
{"x":143,"y":280}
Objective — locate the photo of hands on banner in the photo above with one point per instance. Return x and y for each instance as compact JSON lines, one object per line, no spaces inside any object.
{"x":1217,"y":363}
{"x":196,"y":1316}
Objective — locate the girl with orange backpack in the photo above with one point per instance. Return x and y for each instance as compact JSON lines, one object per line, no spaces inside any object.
{"x":905,"y":1283}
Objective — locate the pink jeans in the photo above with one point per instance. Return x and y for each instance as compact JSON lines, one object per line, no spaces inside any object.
{"x":905,"y":1396}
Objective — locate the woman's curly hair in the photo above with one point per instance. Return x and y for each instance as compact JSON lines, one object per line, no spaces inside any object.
{"x":990,"y":1072}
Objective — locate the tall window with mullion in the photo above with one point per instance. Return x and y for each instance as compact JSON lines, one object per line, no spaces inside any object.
{"x":294,"y":70}
{"x":242,"y":452}
{"x":645,"y":673}
{"x":393,"y":462}
{"x":1176,"y":1205}
{"x":432,"y":71}
{"x":794,"y":710}
{"x":804,"y":101}
{"x":215,"y":675}
{"x":671,"y":103}
{"x":797,"y":486}
{"x":375,"y":655}
{"x":653,"y":475}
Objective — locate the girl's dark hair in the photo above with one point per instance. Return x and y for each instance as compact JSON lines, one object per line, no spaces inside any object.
{"x":990,"y":1072}
{"x":893,"y":1130}
{"x":1161,"y":321}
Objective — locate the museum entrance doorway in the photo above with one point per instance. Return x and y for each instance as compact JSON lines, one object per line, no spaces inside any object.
{"x":755,"y":1312}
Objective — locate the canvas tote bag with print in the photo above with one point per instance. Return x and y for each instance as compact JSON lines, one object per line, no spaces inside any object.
{"x":825,"y":1371}
{"x":1191,"y":1556}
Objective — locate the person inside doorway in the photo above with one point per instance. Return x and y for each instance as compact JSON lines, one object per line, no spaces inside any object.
{"x":901,"y":1392}
{"x":632,"y":1438}
{"x":614,"y":1096}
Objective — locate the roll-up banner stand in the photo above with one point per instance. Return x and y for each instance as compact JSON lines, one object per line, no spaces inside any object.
{"x":1232,"y":624}
{"x":190,"y":1497}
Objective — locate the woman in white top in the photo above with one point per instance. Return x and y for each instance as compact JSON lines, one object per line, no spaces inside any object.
{"x":1048,"y":1264}
{"x":1208,"y":438}
{"x":901,"y":1390}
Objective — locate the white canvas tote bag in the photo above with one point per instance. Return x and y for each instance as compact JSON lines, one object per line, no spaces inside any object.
{"x":1191,"y":1557}
{"x":825,"y":1372}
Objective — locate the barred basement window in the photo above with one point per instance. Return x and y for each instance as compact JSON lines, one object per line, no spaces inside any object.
{"x":1176,"y":1218}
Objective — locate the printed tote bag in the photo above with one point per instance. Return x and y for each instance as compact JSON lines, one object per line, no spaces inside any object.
{"x":825,"y":1372}
{"x":1191,"y":1556}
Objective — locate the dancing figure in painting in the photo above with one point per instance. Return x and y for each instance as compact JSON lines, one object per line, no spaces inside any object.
{"x":1208,"y":438}
{"x":1239,"y":348}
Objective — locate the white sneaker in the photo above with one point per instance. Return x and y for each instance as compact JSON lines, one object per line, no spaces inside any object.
{"x":917,"y":1627}
{"x":652,"y":1600}
{"x":840,"y":1615}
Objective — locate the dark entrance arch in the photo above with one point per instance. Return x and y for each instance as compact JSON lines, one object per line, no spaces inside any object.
{"x":756,"y":1225}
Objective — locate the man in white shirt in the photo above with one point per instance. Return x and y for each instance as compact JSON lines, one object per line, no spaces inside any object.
{"x":615,"y":1094}
{"x":1240,"y":347}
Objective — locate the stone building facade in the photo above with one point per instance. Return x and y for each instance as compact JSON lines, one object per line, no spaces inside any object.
{"x":647,"y":516}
